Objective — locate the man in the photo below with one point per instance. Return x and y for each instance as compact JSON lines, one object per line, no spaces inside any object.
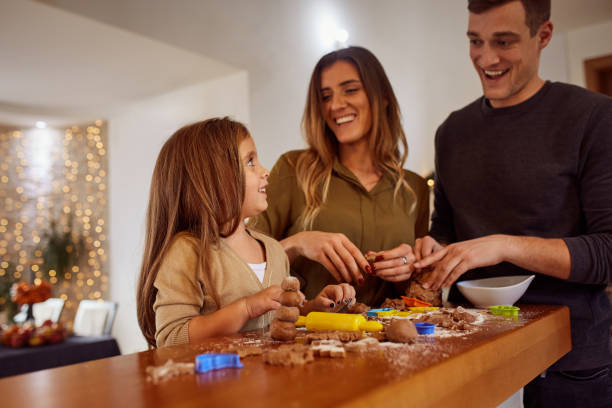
{"x":524,"y":183}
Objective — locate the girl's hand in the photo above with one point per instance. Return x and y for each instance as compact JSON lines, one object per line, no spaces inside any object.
{"x":263,"y":301}
{"x":331,"y":299}
{"x":394,"y":265}
{"x":334,"y":251}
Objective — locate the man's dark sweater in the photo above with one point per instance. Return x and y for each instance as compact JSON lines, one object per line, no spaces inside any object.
{"x":541,"y":168}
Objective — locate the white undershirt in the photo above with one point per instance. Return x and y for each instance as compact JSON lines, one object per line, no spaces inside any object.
{"x":259,"y":270}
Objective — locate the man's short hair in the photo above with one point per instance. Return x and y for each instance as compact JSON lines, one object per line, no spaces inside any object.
{"x":537,"y":12}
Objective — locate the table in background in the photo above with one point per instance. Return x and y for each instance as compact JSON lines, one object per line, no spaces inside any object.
{"x":480,"y":369}
{"x":75,"y":349}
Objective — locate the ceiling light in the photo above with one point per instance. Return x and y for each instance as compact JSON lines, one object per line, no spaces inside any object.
{"x":341,"y":35}
{"x":40,"y":124}
{"x":331,"y":35}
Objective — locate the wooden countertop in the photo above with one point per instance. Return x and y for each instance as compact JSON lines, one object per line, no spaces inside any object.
{"x":478,"y":369}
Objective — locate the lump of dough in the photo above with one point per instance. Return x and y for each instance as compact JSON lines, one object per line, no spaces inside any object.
{"x":280,"y":330}
{"x":401,"y":331}
{"x":292,"y":299}
{"x":287,"y":314}
{"x":290,"y":284}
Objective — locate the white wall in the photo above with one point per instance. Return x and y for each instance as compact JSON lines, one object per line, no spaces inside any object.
{"x":421,"y":44}
{"x":553,"y":61}
{"x":425,"y":55}
{"x":136,"y":133}
{"x":588,"y":42}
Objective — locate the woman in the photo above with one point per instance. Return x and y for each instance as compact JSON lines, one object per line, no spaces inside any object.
{"x":348,"y":192}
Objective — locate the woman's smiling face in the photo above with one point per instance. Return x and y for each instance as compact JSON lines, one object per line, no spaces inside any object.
{"x":345,"y":104}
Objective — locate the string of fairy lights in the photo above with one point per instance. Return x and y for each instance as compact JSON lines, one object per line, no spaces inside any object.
{"x":53,"y":201}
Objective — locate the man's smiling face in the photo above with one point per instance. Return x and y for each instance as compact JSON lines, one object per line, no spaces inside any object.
{"x":504,"y":53}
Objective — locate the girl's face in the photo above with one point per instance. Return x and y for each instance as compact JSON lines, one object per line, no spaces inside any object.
{"x":256,"y":179}
{"x":345,"y":104}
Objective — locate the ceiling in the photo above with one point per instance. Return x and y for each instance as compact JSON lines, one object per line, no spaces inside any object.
{"x":61,"y":67}
{"x":568,"y":15}
{"x":152,"y":46}
{"x":250,"y":33}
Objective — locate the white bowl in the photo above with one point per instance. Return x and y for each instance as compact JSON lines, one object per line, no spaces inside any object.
{"x":502,"y":291}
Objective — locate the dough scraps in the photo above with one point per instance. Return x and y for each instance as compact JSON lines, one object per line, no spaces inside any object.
{"x":417,"y":291}
{"x":343,"y":336}
{"x":170,"y":369}
{"x":357,"y":308}
{"x":289,"y":355}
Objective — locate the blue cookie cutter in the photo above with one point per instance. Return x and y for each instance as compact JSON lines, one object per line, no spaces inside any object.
{"x":425,"y":328}
{"x":214,"y":361}
{"x":374,"y":312}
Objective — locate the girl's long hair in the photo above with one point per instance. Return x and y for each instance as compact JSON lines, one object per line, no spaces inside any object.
{"x":198,"y":189}
{"x":314,"y":166}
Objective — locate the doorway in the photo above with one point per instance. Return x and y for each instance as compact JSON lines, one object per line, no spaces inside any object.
{"x":598,"y":74}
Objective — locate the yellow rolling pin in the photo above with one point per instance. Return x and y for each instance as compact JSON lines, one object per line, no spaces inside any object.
{"x":338,"y":321}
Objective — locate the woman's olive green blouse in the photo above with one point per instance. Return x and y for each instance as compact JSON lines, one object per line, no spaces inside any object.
{"x":372,"y":220}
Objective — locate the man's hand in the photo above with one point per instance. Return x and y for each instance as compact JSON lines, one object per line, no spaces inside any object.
{"x":454,"y":260}
{"x":426,"y":246}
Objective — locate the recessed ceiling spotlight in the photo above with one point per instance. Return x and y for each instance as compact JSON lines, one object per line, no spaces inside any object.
{"x":40,"y":124}
{"x":331,"y":35}
{"x":341,"y":35}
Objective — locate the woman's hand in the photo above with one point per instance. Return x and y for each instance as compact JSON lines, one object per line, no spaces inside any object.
{"x":394,"y":265}
{"x":331,"y":299}
{"x":334,"y":251}
{"x":264,"y":301}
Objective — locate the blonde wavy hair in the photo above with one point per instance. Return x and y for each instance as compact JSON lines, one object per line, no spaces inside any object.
{"x":197,"y":189}
{"x":314,"y":165}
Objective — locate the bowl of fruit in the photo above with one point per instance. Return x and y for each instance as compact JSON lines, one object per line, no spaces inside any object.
{"x":29,"y":335}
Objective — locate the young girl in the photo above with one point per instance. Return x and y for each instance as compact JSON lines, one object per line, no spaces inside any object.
{"x":204,"y":273}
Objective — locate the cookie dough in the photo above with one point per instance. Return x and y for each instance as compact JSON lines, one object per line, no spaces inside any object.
{"x":343,"y":336}
{"x":371,"y":258}
{"x":170,"y":369}
{"x":287,"y":314}
{"x":245,"y":351}
{"x":453,"y":319}
{"x":401,"y":331}
{"x":358,"y":308}
{"x":289,"y":355}
{"x":427,"y":295}
{"x":361,"y":345}
{"x":280,"y":330}
{"x":397,"y":304}
{"x":290,"y":284}
{"x":290,"y":299}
